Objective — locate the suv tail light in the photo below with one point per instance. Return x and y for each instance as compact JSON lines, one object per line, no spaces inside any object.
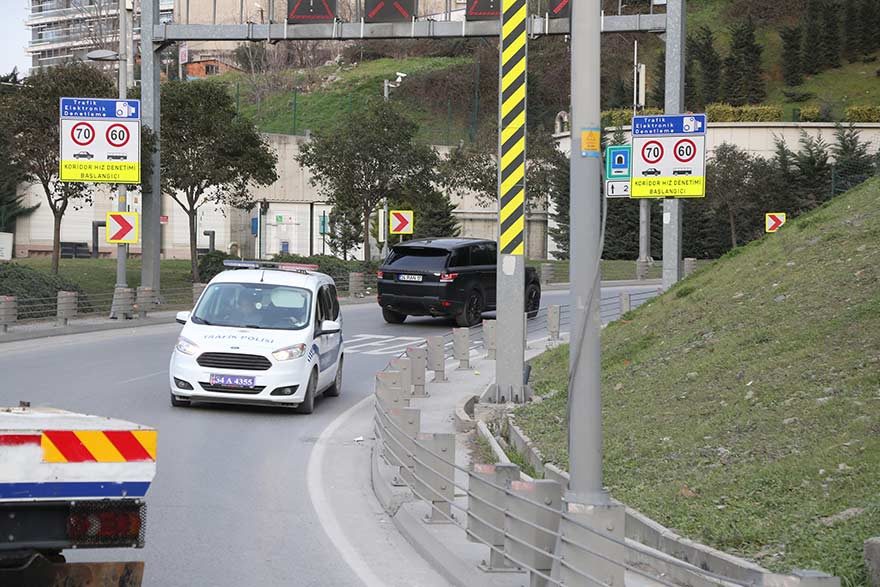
{"x":448,"y":277}
{"x":380,"y":274}
{"x":106,"y":523}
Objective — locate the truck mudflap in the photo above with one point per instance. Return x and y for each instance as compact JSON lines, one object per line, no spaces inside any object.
{"x":39,"y":571}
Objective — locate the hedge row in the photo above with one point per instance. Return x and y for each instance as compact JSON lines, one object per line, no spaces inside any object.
{"x":863,"y":114}
{"x":728,"y":113}
{"x":36,"y":291}
{"x":211,"y":264}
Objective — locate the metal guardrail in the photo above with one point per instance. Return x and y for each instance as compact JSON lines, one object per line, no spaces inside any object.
{"x":524,"y":524}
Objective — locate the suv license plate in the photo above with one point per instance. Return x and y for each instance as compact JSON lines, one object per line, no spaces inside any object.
{"x":233,"y":381}
{"x":409,"y":277}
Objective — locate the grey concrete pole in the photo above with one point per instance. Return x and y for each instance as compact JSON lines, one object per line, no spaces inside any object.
{"x":121,"y":189}
{"x":385,"y":230}
{"x":676,"y":36}
{"x":585,"y":399}
{"x":512,"y":148}
{"x":151,"y":229}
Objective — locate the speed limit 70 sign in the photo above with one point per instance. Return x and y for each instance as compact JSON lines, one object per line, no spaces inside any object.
{"x":100,"y":140}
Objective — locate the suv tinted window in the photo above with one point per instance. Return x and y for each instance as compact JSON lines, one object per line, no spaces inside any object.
{"x":483,"y":254}
{"x":460,"y":257}
{"x":417,"y":259}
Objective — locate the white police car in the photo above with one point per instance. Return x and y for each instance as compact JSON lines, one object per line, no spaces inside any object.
{"x":263,"y":333}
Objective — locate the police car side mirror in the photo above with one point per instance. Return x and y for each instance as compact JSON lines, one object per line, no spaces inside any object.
{"x":330,"y":327}
{"x":182,"y":317}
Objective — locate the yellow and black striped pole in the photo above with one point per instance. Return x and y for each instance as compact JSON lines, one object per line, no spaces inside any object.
{"x":512,"y":128}
{"x":510,"y":357}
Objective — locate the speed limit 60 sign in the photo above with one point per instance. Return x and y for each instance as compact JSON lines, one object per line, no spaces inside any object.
{"x":100,"y":140}
{"x":669,"y":156}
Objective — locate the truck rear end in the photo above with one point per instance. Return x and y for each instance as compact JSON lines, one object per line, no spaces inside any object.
{"x":71,"y":481}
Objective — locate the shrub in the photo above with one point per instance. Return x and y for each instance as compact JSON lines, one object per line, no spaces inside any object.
{"x":863,"y":114}
{"x":333,"y":266}
{"x":721,"y":112}
{"x":36,"y":291}
{"x":811,"y":114}
{"x":210,"y":264}
{"x":797,"y":96}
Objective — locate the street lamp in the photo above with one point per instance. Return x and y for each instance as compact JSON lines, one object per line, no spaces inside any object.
{"x":386,"y":93}
{"x":121,"y":57}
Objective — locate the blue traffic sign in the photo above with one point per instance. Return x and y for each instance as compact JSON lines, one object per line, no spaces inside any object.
{"x":671,"y":124}
{"x":618,"y":162}
{"x":100,"y":108}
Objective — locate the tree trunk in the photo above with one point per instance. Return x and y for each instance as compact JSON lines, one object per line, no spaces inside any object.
{"x":56,"y":242}
{"x":732,"y":220}
{"x":367,"y":212}
{"x":193,"y":244}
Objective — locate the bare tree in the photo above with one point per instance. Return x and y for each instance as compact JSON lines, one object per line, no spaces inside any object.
{"x":100,"y":21}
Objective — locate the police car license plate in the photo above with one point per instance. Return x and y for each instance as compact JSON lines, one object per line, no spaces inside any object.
{"x":409,"y":277}
{"x":233,"y":381}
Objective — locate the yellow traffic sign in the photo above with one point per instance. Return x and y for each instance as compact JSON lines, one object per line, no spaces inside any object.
{"x":773,"y":221}
{"x":123,"y":228}
{"x":401,"y":221}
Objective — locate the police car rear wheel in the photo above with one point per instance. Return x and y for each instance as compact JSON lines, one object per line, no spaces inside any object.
{"x":336,"y":388}
{"x":308,"y":404}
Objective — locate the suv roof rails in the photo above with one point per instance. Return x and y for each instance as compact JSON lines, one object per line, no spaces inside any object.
{"x":302,"y":268}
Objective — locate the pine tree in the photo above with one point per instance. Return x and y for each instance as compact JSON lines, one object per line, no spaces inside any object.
{"x":830,"y":42}
{"x":792,"y":67}
{"x":811,"y":39}
{"x":621,"y":94}
{"x":693,"y":100}
{"x":869,"y":19}
{"x":743,"y":76}
{"x":852,"y":30}
{"x":731,"y":82}
{"x":709,"y":65}
{"x":658,"y":86}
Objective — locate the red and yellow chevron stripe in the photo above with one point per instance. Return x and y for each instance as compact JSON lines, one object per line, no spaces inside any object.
{"x":98,"y":446}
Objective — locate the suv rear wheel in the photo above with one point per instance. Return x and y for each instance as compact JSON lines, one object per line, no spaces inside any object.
{"x":473,"y":310}
{"x":533,"y":299}
{"x":392,"y":317}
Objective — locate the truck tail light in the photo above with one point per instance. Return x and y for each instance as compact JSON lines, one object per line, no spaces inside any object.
{"x":448,"y":277}
{"x":106,"y":523}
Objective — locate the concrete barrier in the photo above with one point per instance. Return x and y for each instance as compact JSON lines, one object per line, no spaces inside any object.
{"x":8,"y":312}
{"x":66,"y":307}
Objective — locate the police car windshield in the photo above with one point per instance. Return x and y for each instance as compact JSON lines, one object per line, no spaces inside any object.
{"x":254,"y":305}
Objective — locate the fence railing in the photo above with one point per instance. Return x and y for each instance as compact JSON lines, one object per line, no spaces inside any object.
{"x":525,"y":524}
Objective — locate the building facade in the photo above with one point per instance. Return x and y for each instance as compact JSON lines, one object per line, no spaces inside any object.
{"x":68,"y":29}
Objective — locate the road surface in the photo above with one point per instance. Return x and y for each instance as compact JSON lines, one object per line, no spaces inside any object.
{"x":230,"y":504}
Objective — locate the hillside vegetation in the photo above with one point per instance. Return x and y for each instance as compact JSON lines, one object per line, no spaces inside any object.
{"x":742,"y":408}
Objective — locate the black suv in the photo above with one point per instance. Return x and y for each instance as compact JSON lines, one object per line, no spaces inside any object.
{"x":452,"y":277}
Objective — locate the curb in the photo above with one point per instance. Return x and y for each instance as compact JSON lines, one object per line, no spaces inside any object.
{"x":18,"y":336}
{"x":50,"y":332}
{"x":403,"y":508}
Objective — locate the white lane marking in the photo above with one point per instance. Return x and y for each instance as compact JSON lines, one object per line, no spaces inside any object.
{"x":142,"y":377}
{"x":323,"y":507}
{"x":351,"y":345}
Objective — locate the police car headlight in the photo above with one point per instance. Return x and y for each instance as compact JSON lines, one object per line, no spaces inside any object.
{"x":187,"y":347}
{"x":291,"y":352}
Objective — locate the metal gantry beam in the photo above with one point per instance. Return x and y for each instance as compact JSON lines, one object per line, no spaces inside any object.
{"x":417,"y":29}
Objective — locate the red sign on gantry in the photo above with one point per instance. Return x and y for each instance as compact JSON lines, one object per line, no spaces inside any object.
{"x":306,"y":11}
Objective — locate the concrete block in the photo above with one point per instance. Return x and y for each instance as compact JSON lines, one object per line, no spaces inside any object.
{"x":872,"y":560}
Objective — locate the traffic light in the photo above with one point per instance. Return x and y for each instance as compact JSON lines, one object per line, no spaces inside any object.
{"x":306,"y":11}
{"x":389,"y":10}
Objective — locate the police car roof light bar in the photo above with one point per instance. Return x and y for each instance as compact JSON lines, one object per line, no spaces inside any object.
{"x":254,"y":264}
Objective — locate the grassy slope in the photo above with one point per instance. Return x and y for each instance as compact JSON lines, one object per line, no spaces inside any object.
{"x":321,"y":109}
{"x":97,"y":276}
{"x":756,"y":384}
{"x":853,"y":84}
